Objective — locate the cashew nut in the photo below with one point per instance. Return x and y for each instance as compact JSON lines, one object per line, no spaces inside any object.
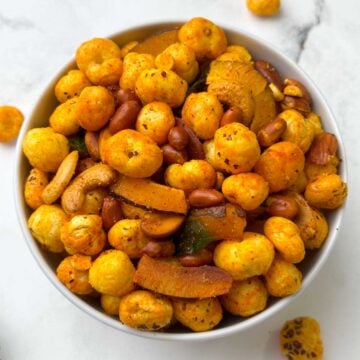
{"x":99,"y":175}
{"x":311,"y":222}
{"x":61,"y":179}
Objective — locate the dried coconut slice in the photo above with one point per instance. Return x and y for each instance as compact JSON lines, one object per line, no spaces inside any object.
{"x":166,"y":278}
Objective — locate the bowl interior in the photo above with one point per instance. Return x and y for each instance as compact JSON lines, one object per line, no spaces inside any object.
{"x":48,"y":262}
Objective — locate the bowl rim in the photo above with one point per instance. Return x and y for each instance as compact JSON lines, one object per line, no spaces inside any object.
{"x":191,"y":336}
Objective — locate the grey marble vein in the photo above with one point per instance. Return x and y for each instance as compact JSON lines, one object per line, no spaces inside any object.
{"x":302,"y":33}
{"x":16,"y":23}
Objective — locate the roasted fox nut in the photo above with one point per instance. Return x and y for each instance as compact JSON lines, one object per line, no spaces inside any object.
{"x":45,"y":224}
{"x":45,"y":149}
{"x":283,"y":278}
{"x":181,"y":59}
{"x":300,"y":183}
{"x":64,"y":119}
{"x":247,"y":258}
{"x":209,"y":150}
{"x":83,"y":234}
{"x":111,"y":273}
{"x":11,"y":120}
{"x":300,"y":338}
{"x":133,"y":154}
{"x":198,"y":314}
{"x":194,"y":174}
{"x":134,"y":64}
{"x":202,"y":112}
{"x":313,"y":171}
{"x":298,"y":129}
{"x":100,"y":60}
{"x":248,"y":190}
{"x":280,"y":165}
{"x":145,"y":310}
{"x":161,"y":85}
{"x":95,"y":107}
{"x":73,"y":272}
{"x":204,"y":37}
{"x":264,"y":7}
{"x":155,"y":120}
{"x":285,"y":236}
{"x":126,"y":235}
{"x":315,"y":121}
{"x":246,"y":297}
{"x":236,"y":148}
{"x":326,"y":192}
{"x":71,"y":85}
{"x":34,"y":186}
{"x":110,"y":304}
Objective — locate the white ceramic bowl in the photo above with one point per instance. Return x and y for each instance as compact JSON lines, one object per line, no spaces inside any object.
{"x":230,"y":324}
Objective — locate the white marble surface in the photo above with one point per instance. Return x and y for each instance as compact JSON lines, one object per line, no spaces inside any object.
{"x":39,"y":36}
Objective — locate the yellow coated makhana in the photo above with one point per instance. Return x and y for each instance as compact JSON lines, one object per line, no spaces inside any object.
{"x":133,"y":154}
{"x":236,"y":148}
{"x":145,"y":310}
{"x":73,"y":272}
{"x":202,"y":112}
{"x":83,"y":234}
{"x":300,"y":339}
{"x":71,"y":85}
{"x":194,"y":174}
{"x":264,"y":7}
{"x":45,"y":149}
{"x":246,"y":297}
{"x":45,"y":224}
{"x":112,"y":273}
{"x":198,"y":314}
{"x":11,"y":120}
{"x":204,"y":37}
{"x":100,"y":60}
{"x":247,"y":258}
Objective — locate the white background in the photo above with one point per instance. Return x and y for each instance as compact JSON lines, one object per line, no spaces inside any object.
{"x":37,"y":37}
